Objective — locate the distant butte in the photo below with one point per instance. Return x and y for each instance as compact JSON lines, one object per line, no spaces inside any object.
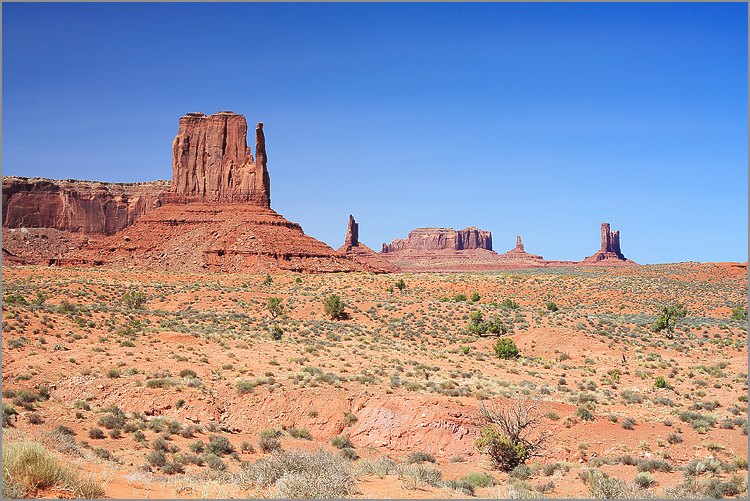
{"x":362,"y":254}
{"x":609,"y":253}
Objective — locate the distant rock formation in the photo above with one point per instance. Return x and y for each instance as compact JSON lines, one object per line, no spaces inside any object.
{"x":362,"y":254}
{"x":518,"y":253}
{"x":89,"y":207}
{"x":609,"y":252}
{"x":352,"y":233}
{"x":438,"y":239}
{"x":215,"y":215}
{"x":211,"y":161}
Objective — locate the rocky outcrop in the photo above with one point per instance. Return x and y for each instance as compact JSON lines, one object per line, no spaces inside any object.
{"x":221,"y":237}
{"x":352,"y":233}
{"x":609,"y":252}
{"x":360,"y":253}
{"x":211,"y":161}
{"x":89,"y":207}
{"x":518,"y":253}
{"x":439,"y":239}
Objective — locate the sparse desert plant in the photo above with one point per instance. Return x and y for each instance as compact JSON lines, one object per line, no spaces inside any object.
{"x":420,"y":457}
{"x":302,"y":475}
{"x":660,"y":382}
{"x":341,"y":442}
{"x":333,"y":307}
{"x":505,"y":348}
{"x":268,"y":280}
{"x":29,"y":467}
{"x":10,"y":414}
{"x":739,"y":313}
{"x":277,"y":332}
{"x":669,"y":316}
{"x":274,"y":307}
{"x":96,"y":433}
{"x":509,"y":436}
{"x":509,"y":303}
{"x":475,"y":297}
{"x":477,"y":325}
{"x":134,"y":299}
{"x":302,"y":433}
{"x":400,"y":284}
{"x":219,"y":445}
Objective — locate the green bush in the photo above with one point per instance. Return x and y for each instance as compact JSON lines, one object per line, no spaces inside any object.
{"x":274,"y":307}
{"x":739,"y":313}
{"x":219,"y":445}
{"x":504,"y":454}
{"x":660,"y":382}
{"x":505,"y":348}
{"x":509,"y":303}
{"x":584,"y":414}
{"x":135,"y":300}
{"x":401,"y":285}
{"x":302,"y":433}
{"x":333,"y":307}
{"x":341,"y":441}
{"x":10,"y":414}
{"x":475,"y":297}
{"x":551,"y":306}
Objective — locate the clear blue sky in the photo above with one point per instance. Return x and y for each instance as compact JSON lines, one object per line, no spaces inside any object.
{"x":535,"y":119}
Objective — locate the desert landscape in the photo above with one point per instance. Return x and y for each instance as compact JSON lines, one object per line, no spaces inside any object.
{"x":182,"y":339}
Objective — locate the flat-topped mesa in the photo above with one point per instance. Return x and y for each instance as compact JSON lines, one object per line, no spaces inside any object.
{"x":609,"y":251}
{"x":89,"y":207}
{"x":211,"y":161}
{"x":440,"y":239}
{"x":352,"y":233}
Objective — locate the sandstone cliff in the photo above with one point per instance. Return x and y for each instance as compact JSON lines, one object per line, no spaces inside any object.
{"x":438,"y":239}
{"x":211,"y":161}
{"x":89,"y":207}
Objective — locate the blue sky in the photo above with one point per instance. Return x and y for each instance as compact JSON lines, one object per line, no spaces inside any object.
{"x":542,"y":120}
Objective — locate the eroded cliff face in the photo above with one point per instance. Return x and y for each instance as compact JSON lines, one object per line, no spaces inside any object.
{"x":78,"y":206}
{"x":438,"y":239}
{"x":211,"y":161}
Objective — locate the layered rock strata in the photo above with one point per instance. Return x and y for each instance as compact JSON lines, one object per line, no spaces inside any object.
{"x":89,"y":207}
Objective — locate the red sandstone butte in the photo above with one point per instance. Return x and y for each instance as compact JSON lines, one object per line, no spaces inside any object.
{"x":609,"y":253}
{"x":88,"y":207}
{"x":211,"y":161}
{"x":360,"y":253}
{"x":217,"y":214}
{"x":519,"y":254}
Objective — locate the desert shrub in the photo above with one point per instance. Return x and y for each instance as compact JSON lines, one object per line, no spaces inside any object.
{"x":214,"y":462}
{"x":269,"y":443}
{"x":739,"y":313}
{"x":477,"y":325}
{"x":509,"y":303}
{"x":135,"y":300}
{"x":302,"y":433}
{"x":350,"y":419}
{"x":400,"y":284}
{"x":420,"y":457}
{"x":584,"y":414}
{"x":459,"y":298}
{"x":96,"y":433}
{"x":302,"y":475}
{"x":9,"y":414}
{"x":414,"y":475}
{"x":28,"y":467}
{"x":277,"y":332}
{"x":219,"y":445}
{"x":157,"y":458}
{"x":341,"y":441}
{"x":349,"y":453}
{"x":602,"y":486}
{"x":628,"y":423}
{"x":496,"y":326}
{"x":333,"y":307}
{"x":380,"y":467}
{"x":551,"y":468}
{"x":644,"y":480}
{"x":551,"y":306}
{"x":652,"y":465}
{"x":274,"y":306}
{"x":112,"y":421}
{"x":674,"y":438}
{"x":479,"y":479}
{"x":669,"y":316}
{"x":244,"y":387}
{"x":521,"y":472}
{"x":505,"y":348}
{"x":461,"y":486}
{"x":699,"y":422}
{"x":508,"y":437}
